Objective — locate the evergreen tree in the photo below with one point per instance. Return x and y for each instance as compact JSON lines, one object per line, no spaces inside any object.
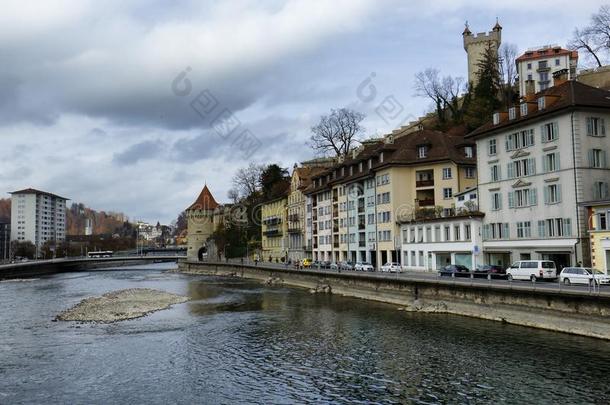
{"x":485,"y":96}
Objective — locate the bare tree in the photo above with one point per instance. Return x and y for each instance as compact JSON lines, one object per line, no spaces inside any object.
{"x":247,"y":180}
{"x":337,"y":132}
{"x":508,"y":71}
{"x":594,"y":39}
{"x":444,"y":92}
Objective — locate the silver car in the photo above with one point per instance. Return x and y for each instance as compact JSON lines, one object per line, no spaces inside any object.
{"x":582,"y":275}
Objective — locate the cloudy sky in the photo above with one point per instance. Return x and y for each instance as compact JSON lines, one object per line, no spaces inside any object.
{"x":115,"y":103}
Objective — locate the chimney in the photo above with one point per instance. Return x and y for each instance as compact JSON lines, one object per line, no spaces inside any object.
{"x":560,"y":77}
{"x":530,"y":90}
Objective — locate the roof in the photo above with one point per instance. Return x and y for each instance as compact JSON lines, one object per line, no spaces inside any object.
{"x":402,"y":150}
{"x":546,"y":52}
{"x":205,"y":201}
{"x":595,"y":203}
{"x":34,"y":191}
{"x":570,"y":94}
{"x":468,"y":190}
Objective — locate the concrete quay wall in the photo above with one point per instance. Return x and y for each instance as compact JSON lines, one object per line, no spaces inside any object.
{"x":563,"y":311}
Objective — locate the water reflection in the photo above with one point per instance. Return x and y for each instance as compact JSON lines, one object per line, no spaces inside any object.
{"x":238,"y":341}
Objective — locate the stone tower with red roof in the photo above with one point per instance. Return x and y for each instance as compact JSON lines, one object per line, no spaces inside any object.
{"x":200,"y":225}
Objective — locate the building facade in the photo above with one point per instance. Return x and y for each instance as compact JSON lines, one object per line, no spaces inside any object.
{"x":537,"y":65}
{"x":357,"y":203}
{"x":598,"y":219}
{"x":475,"y":47}
{"x":5,"y":241}
{"x":200,"y":226}
{"x":38,"y":217}
{"x":537,"y":162}
{"x":274,"y":228}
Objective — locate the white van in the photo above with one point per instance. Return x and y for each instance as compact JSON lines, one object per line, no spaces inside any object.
{"x":532,"y":270}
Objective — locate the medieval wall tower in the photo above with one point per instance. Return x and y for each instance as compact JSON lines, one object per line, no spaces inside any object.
{"x":200,"y":225}
{"x":475,"y":46}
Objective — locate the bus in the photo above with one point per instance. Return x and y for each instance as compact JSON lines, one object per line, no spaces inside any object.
{"x":100,"y":253}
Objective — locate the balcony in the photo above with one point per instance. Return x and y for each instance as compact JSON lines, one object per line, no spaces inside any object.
{"x":424,"y":183}
{"x":296,"y":229}
{"x":335,"y":228}
{"x":294,"y":217}
{"x":427,"y":202}
{"x":361,"y":243}
{"x":272,"y":232}
{"x":361,"y":226}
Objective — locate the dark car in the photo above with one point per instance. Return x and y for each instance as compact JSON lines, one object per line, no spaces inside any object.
{"x":456,"y":269}
{"x":316,"y":264}
{"x":492,"y":269}
{"x":325,"y":265}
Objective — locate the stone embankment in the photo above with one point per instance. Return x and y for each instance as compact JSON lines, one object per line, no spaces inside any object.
{"x":121,"y":305}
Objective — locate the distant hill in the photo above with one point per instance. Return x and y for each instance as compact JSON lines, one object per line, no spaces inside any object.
{"x":76,"y":216}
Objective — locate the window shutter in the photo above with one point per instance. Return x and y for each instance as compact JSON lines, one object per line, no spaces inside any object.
{"x":546,"y":194}
{"x":603,"y":159}
{"x":542,"y":134}
{"x":541,"y":229}
{"x":604,"y":190}
{"x":511,"y":170}
{"x":567,"y":227}
{"x":597,"y":190}
{"x":505,"y":231}
{"x":533,"y":197}
{"x":545,"y":163}
{"x":531,"y":136}
{"x":533,"y":171}
{"x":499,"y":172}
{"x":555,"y":130}
{"x":557,"y":161}
{"x":511,"y":199}
{"x":558,"y":192}
{"x":506,"y":143}
{"x":590,"y":157}
{"x":602,"y":123}
{"x":589,"y":126}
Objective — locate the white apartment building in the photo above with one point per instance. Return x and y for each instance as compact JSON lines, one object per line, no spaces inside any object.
{"x":537,"y":66}
{"x":37,"y":216}
{"x":536,"y":163}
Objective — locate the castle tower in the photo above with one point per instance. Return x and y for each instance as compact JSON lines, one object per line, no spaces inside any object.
{"x":475,"y":46}
{"x":200,"y":225}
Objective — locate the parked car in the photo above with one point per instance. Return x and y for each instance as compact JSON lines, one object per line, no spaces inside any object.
{"x":391,"y":267}
{"x":316,"y":264}
{"x":325,"y":264}
{"x":456,"y":269}
{"x":492,"y":269}
{"x":532,"y":270}
{"x":582,"y":275}
{"x":363,"y":266}
{"x":306,"y":263}
{"x":346,"y":266}
{"x":334,"y":266}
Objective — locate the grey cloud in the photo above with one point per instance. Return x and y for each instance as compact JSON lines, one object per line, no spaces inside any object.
{"x":139,"y":151}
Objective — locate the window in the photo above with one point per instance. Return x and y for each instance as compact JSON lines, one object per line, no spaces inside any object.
{"x":470,"y":173}
{"x":521,"y":168}
{"x":552,"y":194}
{"x":385,"y":236}
{"x":492,"y":147}
{"x":524,"y":229}
{"x":512,"y":113}
{"x":447,"y":192}
{"x":542,"y":64}
{"x":529,"y":77}
{"x":557,"y":62}
{"x":602,"y":221}
{"x":495,"y":118}
{"x":383,"y":198}
{"x":544,"y":77}
{"x":447,"y":233}
{"x":597,"y":158}
{"x":596,"y":126}
{"x":467,"y":232}
{"x":446,"y":173}
{"x":523,"y":106}
{"x":383,"y":179}
{"x":549,"y":132}
{"x":519,"y":140}
{"x":496,"y":201}
{"x":600,"y":190}
{"x":456,"y":233}
{"x":550,"y":162}
{"x":541,"y":103}
{"x":383,"y":217}
{"x":497,"y":230}
{"x":422,"y":151}
{"x":529,"y":66}
{"x":495,"y":173}
{"x":522,"y":198}
{"x":468,"y":151}
{"x":555,"y":227}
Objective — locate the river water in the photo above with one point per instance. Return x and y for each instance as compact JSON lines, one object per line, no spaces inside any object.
{"x":238,"y":341}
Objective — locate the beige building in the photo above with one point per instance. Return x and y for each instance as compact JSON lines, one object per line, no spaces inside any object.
{"x":356,"y":205}
{"x":598,"y":218}
{"x":475,"y":46}
{"x":200,"y":225}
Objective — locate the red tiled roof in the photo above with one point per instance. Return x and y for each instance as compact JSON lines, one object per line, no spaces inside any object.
{"x":34,"y":191}
{"x":205,"y":201}
{"x":546,"y":53}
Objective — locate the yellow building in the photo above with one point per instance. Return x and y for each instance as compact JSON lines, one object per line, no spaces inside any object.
{"x":599,"y":231}
{"x":274,"y":228}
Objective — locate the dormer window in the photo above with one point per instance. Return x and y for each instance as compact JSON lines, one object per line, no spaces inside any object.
{"x":351,"y":170}
{"x":496,"y":118}
{"x":512,"y":113}
{"x":343,"y":171}
{"x":541,"y":103}
{"x":422,"y":151}
{"x":370,"y":163}
{"x":468,"y":151}
{"x":360,"y":167}
{"x":523,"y":109}
{"x":381,"y":157}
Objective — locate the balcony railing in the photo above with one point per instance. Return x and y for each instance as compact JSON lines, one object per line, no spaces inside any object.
{"x":272,"y":232}
{"x":424,"y":183}
{"x":361,"y":243}
{"x":361,"y":225}
{"x":295,"y":230}
{"x":426,"y":202}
